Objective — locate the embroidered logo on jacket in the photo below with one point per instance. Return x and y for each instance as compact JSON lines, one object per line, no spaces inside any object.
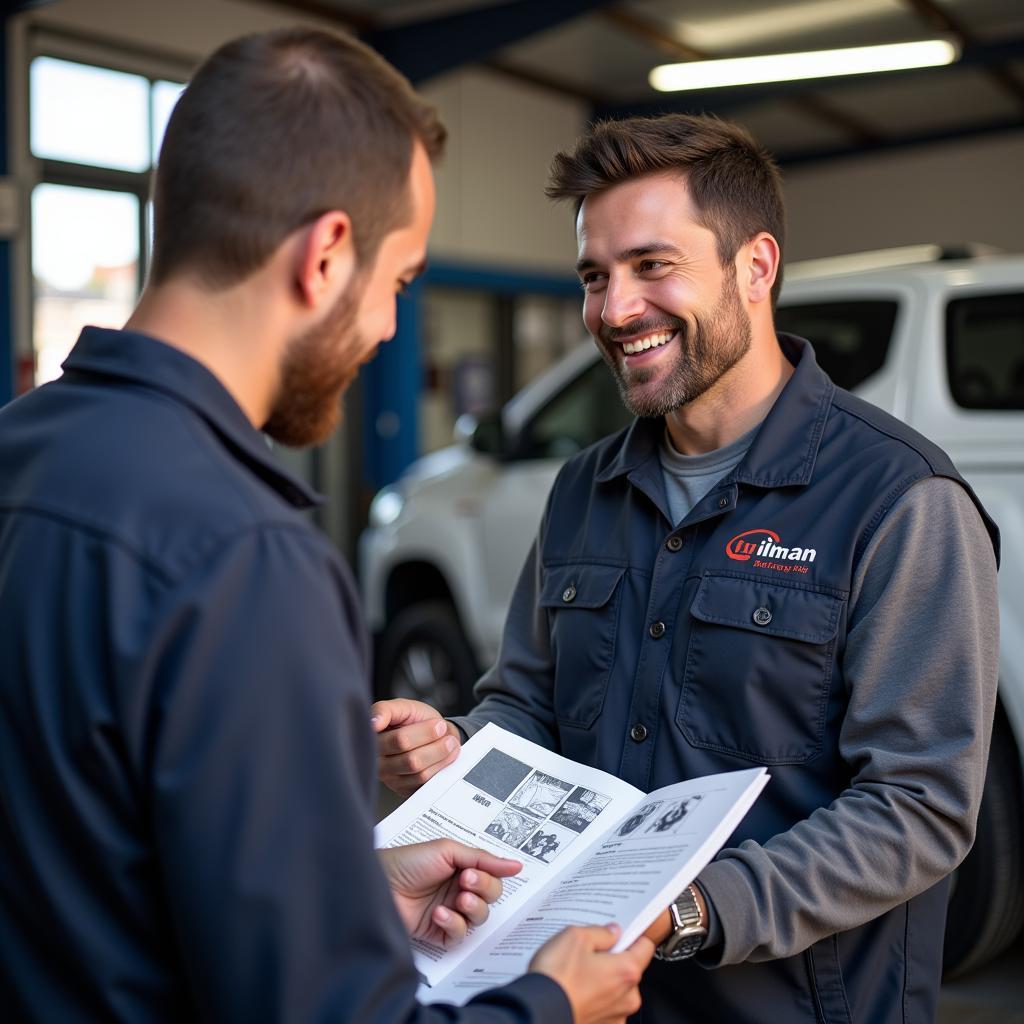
{"x":767,"y":551}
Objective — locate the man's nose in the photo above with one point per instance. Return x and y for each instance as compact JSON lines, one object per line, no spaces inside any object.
{"x":623,"y":301}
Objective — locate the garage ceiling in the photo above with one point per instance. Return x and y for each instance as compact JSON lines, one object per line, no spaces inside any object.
{"x":601,"y":53}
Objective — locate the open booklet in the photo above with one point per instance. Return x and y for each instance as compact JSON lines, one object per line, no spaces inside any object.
{"x":594,"y":849}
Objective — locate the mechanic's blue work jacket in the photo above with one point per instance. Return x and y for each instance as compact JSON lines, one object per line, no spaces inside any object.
{"x":752,"y":585}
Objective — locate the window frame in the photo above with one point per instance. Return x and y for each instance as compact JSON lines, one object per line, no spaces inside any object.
{"x":950,"y":351}
{"x":890,"y":306}
{"x":33,"y":41}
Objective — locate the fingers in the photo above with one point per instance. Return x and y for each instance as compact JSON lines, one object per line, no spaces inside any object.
{"x":463,"y":856}
{"x":639,"y":955}
{"x":481,"y":871}
{"x":406,"y":739}
{"x":451,"y":924}
{"x":474,"y":908}
{"x":482,"y":884}
{"x":409,"y":755}
{"x":599,"y":937}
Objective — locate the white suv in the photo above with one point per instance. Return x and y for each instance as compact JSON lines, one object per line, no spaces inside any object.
{"x":934,"y":337}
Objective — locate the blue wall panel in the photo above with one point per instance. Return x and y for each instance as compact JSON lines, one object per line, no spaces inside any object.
{"x":392,"y":382}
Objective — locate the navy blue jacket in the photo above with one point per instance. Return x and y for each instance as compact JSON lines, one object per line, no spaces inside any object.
{"x":186,"y":762}
{"x":662,"y":652}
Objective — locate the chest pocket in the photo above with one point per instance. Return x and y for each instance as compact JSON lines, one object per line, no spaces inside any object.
{"x":582,"y":602}
{"x":758,"y":668}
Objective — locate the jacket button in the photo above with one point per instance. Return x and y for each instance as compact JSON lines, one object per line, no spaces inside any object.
{"x":762,"y":616}
{"x":569,"y":594}
{"x":638,"y":733}
{"x":723,"y":502}
{"x":674,"y":543}
{"x":657,"y":630}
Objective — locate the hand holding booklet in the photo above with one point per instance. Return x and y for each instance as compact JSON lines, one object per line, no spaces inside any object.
{"x":595,"y":849}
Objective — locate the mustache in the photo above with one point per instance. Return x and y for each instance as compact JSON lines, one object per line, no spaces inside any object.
{"x":651,"y":325}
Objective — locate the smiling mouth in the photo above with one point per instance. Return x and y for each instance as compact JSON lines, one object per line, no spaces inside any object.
{"x":656,"y":339}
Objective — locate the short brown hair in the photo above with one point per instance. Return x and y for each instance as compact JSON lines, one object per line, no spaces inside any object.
{"x":734,"y":182}
{"x":273,"y":131}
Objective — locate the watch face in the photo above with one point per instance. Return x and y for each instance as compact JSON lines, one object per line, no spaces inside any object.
{"x":689,"y":933}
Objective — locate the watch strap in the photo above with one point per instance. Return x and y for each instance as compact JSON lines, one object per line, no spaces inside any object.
{"x":689,"y":928}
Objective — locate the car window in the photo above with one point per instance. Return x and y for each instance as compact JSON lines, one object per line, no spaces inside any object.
{"x":588,"y":409}
{"x":851,"y":338}
{"x":985,"y":351}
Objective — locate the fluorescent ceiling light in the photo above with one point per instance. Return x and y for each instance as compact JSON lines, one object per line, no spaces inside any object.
{"x":753,"y":28}
{"x":788,"y":67}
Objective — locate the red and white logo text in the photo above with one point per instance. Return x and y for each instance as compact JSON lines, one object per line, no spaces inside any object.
{"x":765,"y":550}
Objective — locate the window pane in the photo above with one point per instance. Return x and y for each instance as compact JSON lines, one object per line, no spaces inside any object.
{"x":165,"y":95}
{"x":85,"y":258}
{"x":587,"y":410}
{"x":546,"y":327}
{"x":850,"y":339}
{"x":985,"y":351}
{"x":459,"y":362}
{"x":89,"y":115}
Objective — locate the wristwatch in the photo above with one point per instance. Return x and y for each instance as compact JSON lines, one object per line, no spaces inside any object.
{"x":689,"y":928}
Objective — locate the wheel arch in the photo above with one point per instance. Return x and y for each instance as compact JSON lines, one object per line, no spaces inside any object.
{"x":413,"y":581}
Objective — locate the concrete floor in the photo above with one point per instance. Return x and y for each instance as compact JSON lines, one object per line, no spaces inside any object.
{"x":994,"y":994}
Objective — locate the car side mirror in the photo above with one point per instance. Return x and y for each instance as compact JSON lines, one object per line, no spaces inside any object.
{"x":488,"y":435}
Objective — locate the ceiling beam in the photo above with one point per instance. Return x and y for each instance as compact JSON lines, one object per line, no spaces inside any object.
{"x":815,"y":107}
{"x":562,"y":87}
{"x":423,"y":49}
{"x":16,"y":6}
{"x":798,"y":158}
{"x":366,"y":24}
{"x":355,"y":20}
{"x":652,"y":33}
{"x":945,"y":21}
{"x":724,"y":100}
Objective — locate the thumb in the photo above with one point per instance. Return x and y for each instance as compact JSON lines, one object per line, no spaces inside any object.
{"x":390,"y":714}
{"x":600,"y":937}
{"x":640,"y":953}
{"x":463,"y":856}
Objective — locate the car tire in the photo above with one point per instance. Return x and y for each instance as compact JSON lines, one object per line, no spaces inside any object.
{"x":986,"y":909}
{"x":424,"y":655}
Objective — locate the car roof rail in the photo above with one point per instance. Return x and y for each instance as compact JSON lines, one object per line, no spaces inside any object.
{"x":881,"y":259}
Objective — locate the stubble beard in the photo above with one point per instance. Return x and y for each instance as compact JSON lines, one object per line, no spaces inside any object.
{"x":707,"y":348}
{"x":318,"y":365}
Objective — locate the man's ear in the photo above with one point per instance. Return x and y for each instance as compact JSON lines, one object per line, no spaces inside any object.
{"x":759,"y":266}
{"x":325,"y":258}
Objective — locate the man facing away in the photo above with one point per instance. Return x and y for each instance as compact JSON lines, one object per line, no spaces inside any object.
{"x":186,"y":783}
{"x":762,"y":569}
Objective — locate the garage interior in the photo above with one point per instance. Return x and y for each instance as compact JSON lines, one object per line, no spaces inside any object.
{"x":931,"y":155}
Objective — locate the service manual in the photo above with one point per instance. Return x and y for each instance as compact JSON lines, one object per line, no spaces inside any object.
{"x":595,"y":850}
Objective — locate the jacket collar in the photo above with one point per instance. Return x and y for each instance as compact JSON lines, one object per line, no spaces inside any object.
{"x":785,"y":448}
{"x":141,"y":360}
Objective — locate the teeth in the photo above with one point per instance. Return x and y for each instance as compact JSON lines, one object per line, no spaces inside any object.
{"x":643,"y":344}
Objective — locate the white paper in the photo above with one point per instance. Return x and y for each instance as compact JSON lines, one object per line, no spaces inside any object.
{"x":506,"y":795}
{"x":595,"y":849}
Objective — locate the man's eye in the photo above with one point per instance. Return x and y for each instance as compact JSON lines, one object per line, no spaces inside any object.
{"x":591,"y":280}
{"x":651,"y":265}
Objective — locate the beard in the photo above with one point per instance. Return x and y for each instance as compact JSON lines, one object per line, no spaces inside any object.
{"x":707,"y":347}
{"x":318,"y":365}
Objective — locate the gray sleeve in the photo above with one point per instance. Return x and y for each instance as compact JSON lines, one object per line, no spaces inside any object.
{"x":516,"y":692}
{"x":921,"y":667}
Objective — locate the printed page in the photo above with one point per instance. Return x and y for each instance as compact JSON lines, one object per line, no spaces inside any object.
{"x":516,"y":799}
{"x":642,"y":863}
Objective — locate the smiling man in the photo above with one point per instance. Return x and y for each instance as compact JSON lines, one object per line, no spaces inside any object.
{"x":186,"y":768}
{"x":749,"y":575}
